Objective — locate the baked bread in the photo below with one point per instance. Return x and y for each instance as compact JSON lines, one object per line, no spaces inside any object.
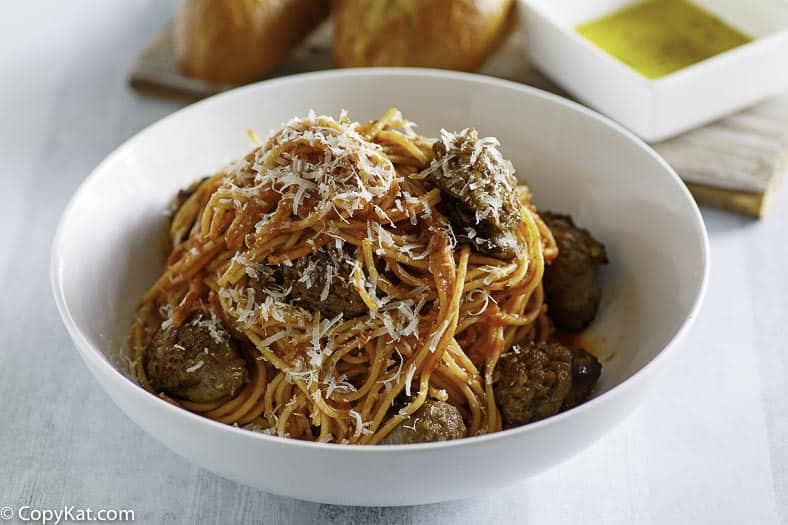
{"x":448,"y":34}
{"x":237,"y":41}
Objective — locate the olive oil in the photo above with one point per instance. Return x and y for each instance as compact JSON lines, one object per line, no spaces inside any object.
{"x":659,"y":37}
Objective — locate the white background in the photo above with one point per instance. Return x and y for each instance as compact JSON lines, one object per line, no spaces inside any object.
{"x":709,"y":446}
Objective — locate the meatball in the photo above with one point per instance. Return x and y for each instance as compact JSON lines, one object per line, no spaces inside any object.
{"x":479,"y":192}
{"x":532,"y":382}
{"x":198,"y":362}
{"x":571,"y":281}
{"x":433,"y":421}
{"x":542,"y":379}
{"x":586,"y":370}
{"x":321,"y":281}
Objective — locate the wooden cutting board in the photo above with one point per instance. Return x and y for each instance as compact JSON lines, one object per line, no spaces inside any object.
{"x":735,"y":163}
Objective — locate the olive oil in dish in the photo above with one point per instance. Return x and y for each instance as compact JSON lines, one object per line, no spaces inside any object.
{"x":659,"y":37}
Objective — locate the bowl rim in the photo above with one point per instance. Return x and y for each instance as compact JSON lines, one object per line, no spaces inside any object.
{"x":92,"y":355}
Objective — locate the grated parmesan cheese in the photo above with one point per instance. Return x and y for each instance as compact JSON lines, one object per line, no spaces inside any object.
{"x":436,"y":337}
{"x":409,"y":378}
{"x":195,"y":367}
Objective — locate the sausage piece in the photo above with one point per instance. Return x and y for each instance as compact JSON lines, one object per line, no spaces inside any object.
{"x":433,"y":421}
{"x":198,"y":362}
{"x":321,"y":281}
{"x":586,"y":370}
{"x":531,"y":382}
{"x":571,"y":281}
{"x":479,"y":192}
{"x":539,"y":380}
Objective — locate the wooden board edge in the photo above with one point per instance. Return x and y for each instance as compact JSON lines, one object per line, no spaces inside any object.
{"x":752,"y":204}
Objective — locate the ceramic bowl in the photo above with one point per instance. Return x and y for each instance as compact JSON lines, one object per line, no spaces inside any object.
{"x":107,"y":253}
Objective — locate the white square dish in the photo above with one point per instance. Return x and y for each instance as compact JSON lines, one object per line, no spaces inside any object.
{"x":660,"y":108}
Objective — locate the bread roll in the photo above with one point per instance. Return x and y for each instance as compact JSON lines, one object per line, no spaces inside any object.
{"x":448,"y":34}
{"x":237,"y":41}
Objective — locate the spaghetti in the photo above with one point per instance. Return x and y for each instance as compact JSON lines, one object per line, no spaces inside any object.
{"x":437,"y":312}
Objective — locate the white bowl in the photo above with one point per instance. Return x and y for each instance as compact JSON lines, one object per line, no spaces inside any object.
{"x":660,"y":108}
{"x":106,"y":253}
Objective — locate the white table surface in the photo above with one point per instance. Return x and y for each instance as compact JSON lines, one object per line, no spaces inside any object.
{"x":709,"y":446}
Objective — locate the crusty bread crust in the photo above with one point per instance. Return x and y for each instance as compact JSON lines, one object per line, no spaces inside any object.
{"x":448,"y":34}
{"x":237,"y":41}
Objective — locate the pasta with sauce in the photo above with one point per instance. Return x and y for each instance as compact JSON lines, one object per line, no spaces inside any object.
{"x":363,"y":284}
